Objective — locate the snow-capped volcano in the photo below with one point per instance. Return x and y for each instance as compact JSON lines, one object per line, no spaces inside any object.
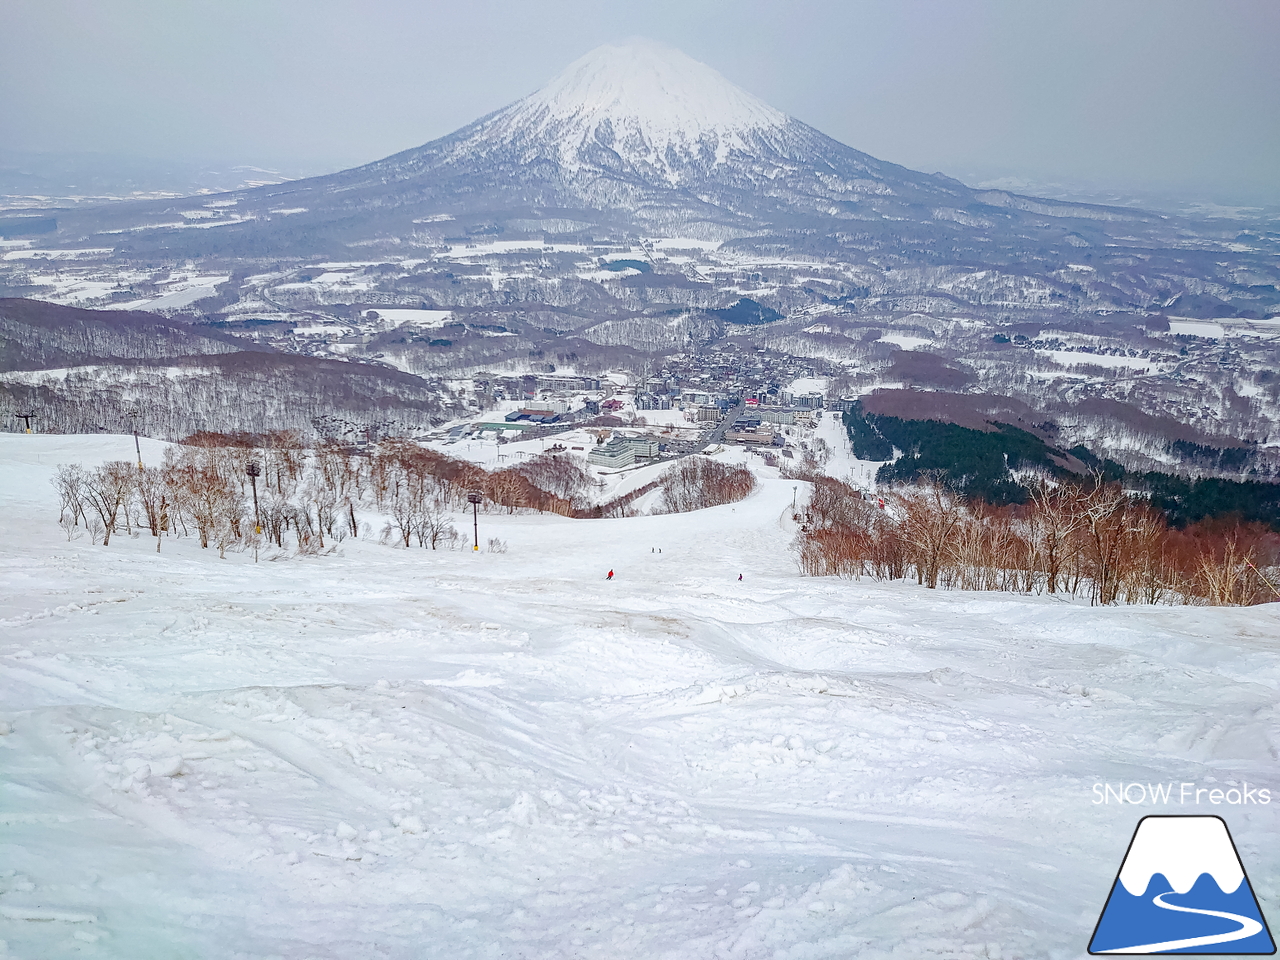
{"x":627,"y":120}
{"x":631,"y":137}
{"x":645,"y":101}
{"x":639,"y":132}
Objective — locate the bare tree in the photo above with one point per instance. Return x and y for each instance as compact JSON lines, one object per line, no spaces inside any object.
{"x":1059,"y":513}
{"x":151,"y":492}
{"x":106,"y":490}
{"x":70,"y":481}
{"x":930,"y":515}
{"x":434,"y":524}
{"x":1105,"y":536}
{"x":697,"y":483}
{"x":1067,"y":538}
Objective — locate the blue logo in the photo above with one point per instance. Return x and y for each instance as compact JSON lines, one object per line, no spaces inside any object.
{"x":1182,"y":889}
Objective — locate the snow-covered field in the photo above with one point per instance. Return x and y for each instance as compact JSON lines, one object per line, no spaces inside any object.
{"x":406,"y":753}
{"x":1197,"y":328}
{"x":905,"y":341}
{"x":1070,"y":358}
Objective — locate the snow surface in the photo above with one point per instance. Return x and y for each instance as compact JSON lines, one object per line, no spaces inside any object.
{"x":405,"y":753}
{"x":804,"y":385}
{"x":419,"y":318}
{"x":1072,"y":358}
{"x":642,"y":82}
{"x":843,"y":464}
{"x":204,"y":287}
{"x":56,"y":254}
{"x":905,"y":341}
{"x":472,"y":250}
{"x":1197,"y":328}
{"x":686,"y":243}
{"x":642,"y":99}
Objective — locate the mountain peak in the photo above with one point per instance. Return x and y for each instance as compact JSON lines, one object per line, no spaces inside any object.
{"x":642,"y":98}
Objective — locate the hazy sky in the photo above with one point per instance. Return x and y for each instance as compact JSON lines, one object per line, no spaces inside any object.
{"x":1171,"y":95}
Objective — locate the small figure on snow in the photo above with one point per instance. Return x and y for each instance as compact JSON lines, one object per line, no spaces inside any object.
{"x":610,"y":576}
{"x":739,"y":576}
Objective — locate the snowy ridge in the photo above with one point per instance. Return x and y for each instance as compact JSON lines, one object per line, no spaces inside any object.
{"x":1181,"y":848}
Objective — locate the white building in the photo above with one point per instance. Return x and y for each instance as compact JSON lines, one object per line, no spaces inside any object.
{"x":614,"y":454}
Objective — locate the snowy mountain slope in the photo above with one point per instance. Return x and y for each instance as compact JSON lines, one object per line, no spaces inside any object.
{"x":633,"y":136}
{"x":647,"y":103}
{"x":417,"y":754}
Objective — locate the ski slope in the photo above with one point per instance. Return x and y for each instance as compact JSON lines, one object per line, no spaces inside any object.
{"x":406,"y":754}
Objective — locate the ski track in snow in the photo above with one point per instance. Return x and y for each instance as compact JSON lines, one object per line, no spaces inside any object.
{"x":401,"y":753}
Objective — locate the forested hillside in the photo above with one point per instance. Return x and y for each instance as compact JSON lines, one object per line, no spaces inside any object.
{"x":35,"y":335}
{"x":992,"y":464}
{"x":86,"y":371}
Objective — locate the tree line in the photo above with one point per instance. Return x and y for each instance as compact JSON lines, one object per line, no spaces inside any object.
{"x":987,"y":464}
{"x":1088,"y":538}
{"x":309,"y":497}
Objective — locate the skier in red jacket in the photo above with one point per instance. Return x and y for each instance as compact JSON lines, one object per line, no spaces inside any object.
{"x":610,"y":576}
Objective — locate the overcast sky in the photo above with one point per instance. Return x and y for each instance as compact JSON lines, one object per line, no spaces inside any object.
{"x":1172,"y":95}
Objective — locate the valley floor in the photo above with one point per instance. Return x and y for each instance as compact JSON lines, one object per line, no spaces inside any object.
{"x":407,"y":754}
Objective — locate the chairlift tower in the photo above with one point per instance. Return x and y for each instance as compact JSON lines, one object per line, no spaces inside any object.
{"x":253,"y":471}
{"x":26,"y":418}
{"x":474,"y":498}
{"x":133,"y":416}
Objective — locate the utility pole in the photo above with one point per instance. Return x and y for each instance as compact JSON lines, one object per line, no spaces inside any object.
{"x":253,"y":471}
{"x":474,"y":498}
{"x":26,"y":418}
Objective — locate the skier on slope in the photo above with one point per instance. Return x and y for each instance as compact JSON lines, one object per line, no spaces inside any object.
{"x":610,"y":576}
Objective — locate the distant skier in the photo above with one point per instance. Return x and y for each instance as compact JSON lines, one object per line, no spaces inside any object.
{"x":739,"y":576}
{"x":610,"y":576}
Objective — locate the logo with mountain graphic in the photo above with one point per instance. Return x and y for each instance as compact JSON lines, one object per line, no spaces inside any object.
{"x":1182,"y":889}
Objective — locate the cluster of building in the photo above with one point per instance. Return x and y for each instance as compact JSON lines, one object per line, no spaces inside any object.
{"x":652,"y":401}
{"x":539,"y":412}
{"x":754,"y":434}
{"x":786,"y":416}
{"x":532,"y":386}
{"x":623,"y":452}
{"x":743,"y":385}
